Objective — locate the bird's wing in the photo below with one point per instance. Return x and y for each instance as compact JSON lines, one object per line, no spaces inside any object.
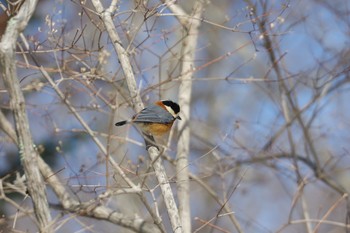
{"x":153,"y":113}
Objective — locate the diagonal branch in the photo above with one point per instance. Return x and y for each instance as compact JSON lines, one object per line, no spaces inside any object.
{"x":90,"y":208}
{"x":154,"y":153}
{"x":88,"y":129}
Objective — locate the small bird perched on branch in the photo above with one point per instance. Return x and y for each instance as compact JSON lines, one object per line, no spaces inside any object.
{"x":156,"y":119}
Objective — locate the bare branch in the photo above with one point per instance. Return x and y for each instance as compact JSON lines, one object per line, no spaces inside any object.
{"x":87,"y":128}
{"x":185,"y":91}
{"x":138,"y":105}
{"x":36,"y":186}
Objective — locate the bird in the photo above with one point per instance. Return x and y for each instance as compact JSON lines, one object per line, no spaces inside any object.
{"x":156,"y":119}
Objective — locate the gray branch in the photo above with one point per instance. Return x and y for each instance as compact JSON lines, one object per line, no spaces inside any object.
{"x":168,"y":196}
{"x":35,"y":184}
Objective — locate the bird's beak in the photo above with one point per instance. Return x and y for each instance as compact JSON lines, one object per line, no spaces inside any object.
{"x":178,"y":117}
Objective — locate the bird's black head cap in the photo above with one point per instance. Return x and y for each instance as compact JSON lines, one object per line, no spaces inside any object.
{"x":174,"y":106}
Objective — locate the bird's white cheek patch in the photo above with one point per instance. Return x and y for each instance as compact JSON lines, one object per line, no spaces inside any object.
{"x":169,"y":109}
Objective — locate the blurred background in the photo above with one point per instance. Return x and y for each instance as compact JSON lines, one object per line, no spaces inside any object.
{"x":269,"y":114}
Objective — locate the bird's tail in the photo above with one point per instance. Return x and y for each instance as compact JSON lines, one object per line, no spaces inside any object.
{"x":120,"y":123}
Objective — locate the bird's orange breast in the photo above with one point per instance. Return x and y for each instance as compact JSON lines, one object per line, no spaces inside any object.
{"x":155,"y":129}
